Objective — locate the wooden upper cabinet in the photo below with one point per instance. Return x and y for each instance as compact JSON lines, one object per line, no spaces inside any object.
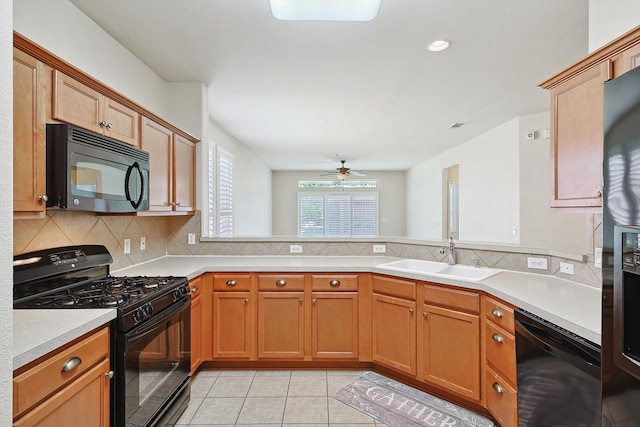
{"x":577,"y":138}
{"x":172,"y":168}
{"x":157,"y":141}
{"x":29,"y":111}
{"x":78,"y":104}
{"x":627,"y":60}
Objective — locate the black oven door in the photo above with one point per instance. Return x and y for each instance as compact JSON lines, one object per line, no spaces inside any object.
{"x":152,"y":386}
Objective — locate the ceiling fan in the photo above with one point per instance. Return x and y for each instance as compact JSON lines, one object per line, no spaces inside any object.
{"x":343,"y":172}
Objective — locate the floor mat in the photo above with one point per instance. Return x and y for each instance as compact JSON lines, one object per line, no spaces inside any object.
{"x":399,"y":405}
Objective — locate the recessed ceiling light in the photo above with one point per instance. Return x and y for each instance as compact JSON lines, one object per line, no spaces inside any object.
{"x":325,"y":10}
{"x":439,"y":45}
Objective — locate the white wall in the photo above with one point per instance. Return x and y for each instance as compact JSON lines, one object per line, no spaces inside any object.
{"x":488,"y":189}
{"x":540,"y":226}
{"x":6,"y":212}
{"x":61,"y":28}
{"x":609,"y":19}
{"x":391,"y":199}
{"x":251,"y":186}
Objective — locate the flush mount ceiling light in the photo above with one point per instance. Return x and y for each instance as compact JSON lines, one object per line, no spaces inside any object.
{"x":325,"y":10}
{"x":439,"y":45}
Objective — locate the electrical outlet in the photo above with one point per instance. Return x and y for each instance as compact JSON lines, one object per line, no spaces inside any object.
{"x":566,"y":268}
{"x":127,"y":246}
{"x":537,"y":263}
{"x":191,"y":238}
{"x":514,"y":230}
{"x":295,"y":249}
{"x":143,"y":243}
{"x":379,"y":249}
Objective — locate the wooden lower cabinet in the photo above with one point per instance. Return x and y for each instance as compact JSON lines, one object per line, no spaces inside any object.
{"x":394,"y":333}
{"x":47,"y":394}
{"x":281,"y":325}
{"x":232,"y":325}
{"x":502,"y":399}
{"x":197,"y":322}
{"x":334,"y":325}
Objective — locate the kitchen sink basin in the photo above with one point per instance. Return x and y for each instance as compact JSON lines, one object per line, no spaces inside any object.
{"x":441,"y":269}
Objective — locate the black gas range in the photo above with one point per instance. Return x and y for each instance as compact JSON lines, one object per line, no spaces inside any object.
{"x":151,"y":333}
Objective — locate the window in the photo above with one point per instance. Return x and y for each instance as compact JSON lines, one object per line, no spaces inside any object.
{"x":337,"y":214}
{"x":225,"y":194}
{"x":219,"y":218}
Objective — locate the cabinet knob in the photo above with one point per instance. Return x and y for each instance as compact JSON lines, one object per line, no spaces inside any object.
{"x":194,"y":289}
{"x":498,"y":388}
{"x":301,"y":300}
{"x":71,"y":364}
{"x":246,"y":300}
{"x":109,"y":374}
{"x":109,"y":126}
{"x":425,"y":314}
{"x":334,"y":283}
{"x":411,"y":310}
{"x":231,"y":282}
{"x":599,"y":193}
{"x":314,"y":300}
{"x":281,"y":282}
{"x":497,"y":338}
{"x":497,"y":313}
{"x":103,"y":123}
{"x":43,"y":198}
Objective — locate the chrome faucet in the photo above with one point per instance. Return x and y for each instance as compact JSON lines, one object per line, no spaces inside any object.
{"x":451,"y":253}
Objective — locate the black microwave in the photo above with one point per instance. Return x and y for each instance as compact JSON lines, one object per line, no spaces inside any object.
{"x":87,"y":171}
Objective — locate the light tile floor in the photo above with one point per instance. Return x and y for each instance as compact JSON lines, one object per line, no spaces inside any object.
{"x":271,"y":398}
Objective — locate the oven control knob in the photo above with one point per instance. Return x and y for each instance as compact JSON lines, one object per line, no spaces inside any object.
{"x":138,"y":315}
{"x":147,"y":309}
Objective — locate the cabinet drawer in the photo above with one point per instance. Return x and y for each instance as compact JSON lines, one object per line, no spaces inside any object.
{"x":282,"y":282}
{"x":195,"y":286}
{"x":43,"y":379}
{"x":502,"y":399}
{"x":448,"y":297}
{"x":499,"y":313}
{"x":501,"y":351}
{"x":394,"y":287}
{"x":334,"y":282}
{"x":232,"y":282}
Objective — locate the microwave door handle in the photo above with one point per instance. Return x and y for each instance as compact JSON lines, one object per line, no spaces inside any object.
{"x":127,"y":178}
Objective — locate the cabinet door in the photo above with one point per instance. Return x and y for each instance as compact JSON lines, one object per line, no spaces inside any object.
{"x":75,"y":103}
{"x":629,"y":59}
{"x":280,"y":324}
{"x":122,"y":123}
{"x":196,"y":324}
{"x":84,"y":402}
{"x":451,"y":352}
{"x":231,"y":325}
{"x":184,"y":164}
{"x":577,"y":139}
{"x":157,"y":140}
{"x":28,"y":136}
{"x":394,"y":333}
{"x":334,"y":325}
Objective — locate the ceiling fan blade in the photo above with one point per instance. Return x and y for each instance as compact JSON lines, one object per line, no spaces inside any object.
{"x":354,"y":173}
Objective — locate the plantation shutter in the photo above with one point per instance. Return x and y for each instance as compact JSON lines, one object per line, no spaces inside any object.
{"x":225,"y":194}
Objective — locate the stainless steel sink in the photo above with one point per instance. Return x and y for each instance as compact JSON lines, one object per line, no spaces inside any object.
{"x":441,"y":269}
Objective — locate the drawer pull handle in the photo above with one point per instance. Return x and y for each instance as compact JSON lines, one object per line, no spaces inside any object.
{"x":109,"y":374}
{"x":498,"y":388}
{"x":281,"y":282}
{"x":497,"y":338}
{"x":71,"y":364}
{"x":497,"y":313}
{"x":231,"y":282}
{"x":334,"y":283}
{"x":194,"y":289}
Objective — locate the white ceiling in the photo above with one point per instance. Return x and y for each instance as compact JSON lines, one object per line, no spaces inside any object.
{"x":299,"y":93}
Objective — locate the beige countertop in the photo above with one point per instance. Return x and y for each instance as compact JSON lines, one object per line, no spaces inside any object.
{"x":570,"y":305}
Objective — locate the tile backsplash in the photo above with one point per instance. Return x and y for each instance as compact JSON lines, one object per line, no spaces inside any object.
{"x":168,"y":235}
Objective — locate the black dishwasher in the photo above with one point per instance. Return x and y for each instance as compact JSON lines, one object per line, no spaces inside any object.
{"x":558,"y":375}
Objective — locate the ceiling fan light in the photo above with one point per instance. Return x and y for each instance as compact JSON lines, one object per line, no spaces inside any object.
{"x":341,"y":176}
{"x":325,"y":10}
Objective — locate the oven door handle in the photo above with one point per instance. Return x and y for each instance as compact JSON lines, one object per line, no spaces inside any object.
{"x":147,"y":327}
{"x":560,"y":348}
